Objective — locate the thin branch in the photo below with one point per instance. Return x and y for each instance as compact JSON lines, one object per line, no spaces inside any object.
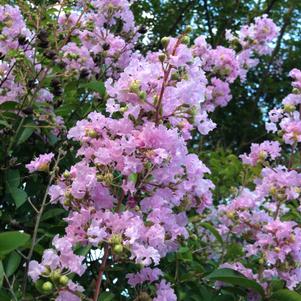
{"x":38,"y":220}
{"x":100,"y":272}
{"x":10,"y":286}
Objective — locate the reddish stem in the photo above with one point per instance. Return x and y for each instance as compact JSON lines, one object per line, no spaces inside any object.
{"x":165,"y":79}
{"x":100,"y":272}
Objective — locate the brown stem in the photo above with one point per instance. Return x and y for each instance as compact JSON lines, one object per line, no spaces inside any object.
{"x":165,"y":79}
{"x":100,"y":272}
{"x":37,"y":224}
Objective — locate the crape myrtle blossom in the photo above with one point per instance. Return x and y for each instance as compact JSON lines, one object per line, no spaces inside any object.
{"x":259,"y":217}
{"x":286,"y":120}
{"x":135,"y":180}
{"x":41,"y":163}
{"x":96,"y":40}
{"x":13,"y":33}
{"x":181,"y":75}
{"x":261,"y":152}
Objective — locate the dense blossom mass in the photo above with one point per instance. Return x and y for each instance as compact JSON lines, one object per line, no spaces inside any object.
{"x":259,"y":217}
{"x":134,"y":185}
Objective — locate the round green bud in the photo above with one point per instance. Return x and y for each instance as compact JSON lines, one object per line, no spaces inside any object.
{"x":142,"y":95}
{"x":118,"y":249}
{"x":66,"y":174}
{"x":73,"y":56}
{"x":165,"y":41}
{"x":47,"y":286}
{"x":296,"y":91}
{"x":261,"y":260}
{"x":92,"y":133}
{"x":123,"y":109}
{"x":194,"y":237}
{"x":115,"y":239}
{"x":64,"y":280}
{"x":185,"y":40}
{"x":188,"y":29}
{"x":135,"y":86}
{"x":162,"y":57}
{"x":55,"y":275}
{"x":175,"y":76}
{"x":289,"y":108}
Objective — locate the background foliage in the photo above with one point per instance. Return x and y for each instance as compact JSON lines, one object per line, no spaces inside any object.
{"x":239,"y":124}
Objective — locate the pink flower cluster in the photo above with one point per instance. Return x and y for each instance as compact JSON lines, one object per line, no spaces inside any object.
{"x":135,"y":181}
{"x":103,"y":35}
{"x":261,"y":152}
{"x":261,"y":218}
{"x":286,"y":120}
{"x":41,"y":163}
{"x":10,"y":89}
{"x":13,"y":28}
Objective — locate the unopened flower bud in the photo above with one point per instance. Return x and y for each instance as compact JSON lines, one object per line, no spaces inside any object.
{"x":185,"y":40}
{"x":64,"y":280}
{"x":55,"y":275}
{"x":230,"y":214}
{"x":47,"y":286}
{"x":66,"y":174}
{"x":123,"y":109}
{"x":261,"y":260}
{"x":142,"y":95}
{"x":91,"y":133}
{"x":277,"y":249}
{"x":165,"y":41}
{"x":289,"y":108}
{"x":188,"y":29}
{"x":135,"y":86}
{"x":118,"y":249}
{"x":162,"y":57}
{"x":262,"y":155}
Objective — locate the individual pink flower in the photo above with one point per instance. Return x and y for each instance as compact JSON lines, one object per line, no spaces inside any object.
{"x":41,"y":163}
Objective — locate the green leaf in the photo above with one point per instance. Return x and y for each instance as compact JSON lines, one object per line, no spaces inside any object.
{"x":106,"y":296}
{"x":11,"y":263}
{"x":13,"y":178}
{"x":12,"y":240}
{"x":4,"y":123}
{"x":19,"y":196}
{"x":235,"y":278}
{"x":52,"y":213}
{"x":8,"y":105}
{"x":96,"y":86}
{"x":1,"y":274}
{"x":133,"y":177}
{"x":25,"y":134}
{"x":213,"y":230}
{"x":285,"y":295}
{"x":4,"y":296}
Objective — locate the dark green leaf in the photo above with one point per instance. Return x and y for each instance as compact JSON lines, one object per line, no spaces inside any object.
{"x":96,"y":86}
{"x":1,"y":274}
{"x":52,"y":213}
{"x":285,"y":295}
{"x":25,"y":134}
{"x":213,"y":231}
{"x":11,"y":263}
{"x":235,"y":278}
{"x":106,"y":296}
{"x":12,"y":240}
{"x":19,"y":196}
